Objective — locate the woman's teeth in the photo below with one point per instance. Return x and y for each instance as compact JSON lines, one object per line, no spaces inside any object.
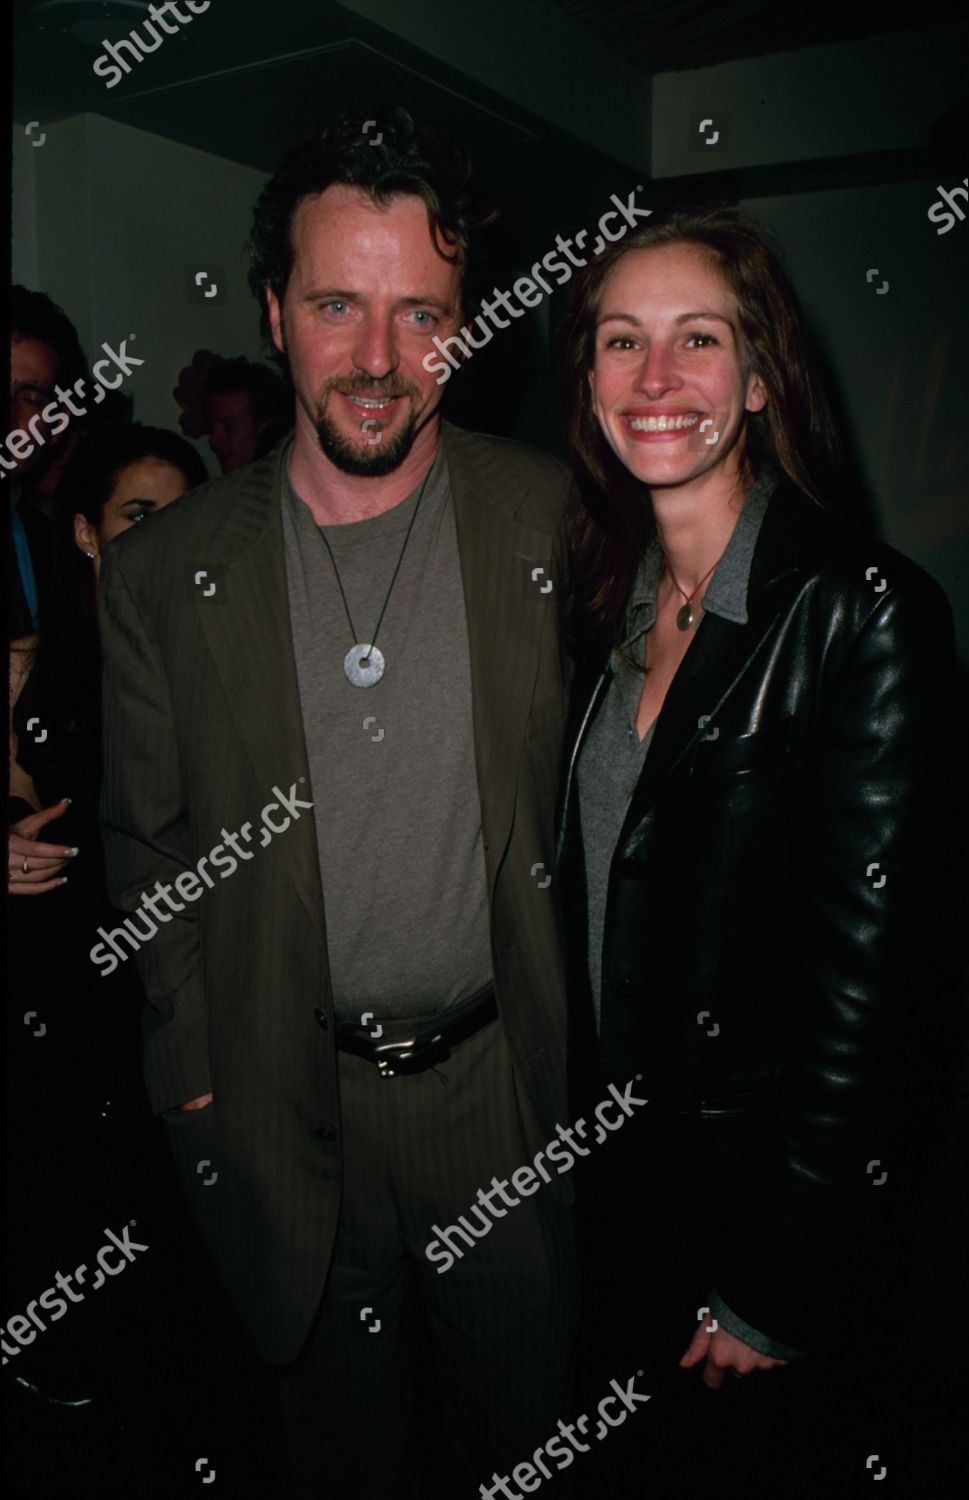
{"x":664,"y":424}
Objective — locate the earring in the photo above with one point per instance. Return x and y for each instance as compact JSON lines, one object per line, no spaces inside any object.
{"x":89,"y":554}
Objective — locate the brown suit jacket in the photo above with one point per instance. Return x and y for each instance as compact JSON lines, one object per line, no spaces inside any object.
{"x":201,"y":721}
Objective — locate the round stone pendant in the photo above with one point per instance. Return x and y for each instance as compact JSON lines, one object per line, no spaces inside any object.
{"x":364,"y":665}
{"x":685,"y":616}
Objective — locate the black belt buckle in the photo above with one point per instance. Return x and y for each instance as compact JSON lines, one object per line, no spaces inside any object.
{"x":411,"y":1056}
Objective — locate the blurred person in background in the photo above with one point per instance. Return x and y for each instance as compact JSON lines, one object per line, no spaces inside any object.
{"x":45,"y":354}
{"x":244,"y":408}
{"x":80,"y":1155}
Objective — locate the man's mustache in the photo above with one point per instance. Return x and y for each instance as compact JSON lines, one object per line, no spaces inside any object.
{"x":371,"y":388}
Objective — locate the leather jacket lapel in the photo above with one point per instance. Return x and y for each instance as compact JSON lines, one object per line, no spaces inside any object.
{"x":721,"y":653}
{"x":589,"y":687}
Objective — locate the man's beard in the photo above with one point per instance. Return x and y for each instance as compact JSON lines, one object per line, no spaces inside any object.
{"x":374,"y":458}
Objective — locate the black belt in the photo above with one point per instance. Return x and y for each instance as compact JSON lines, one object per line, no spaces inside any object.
{"x":410,"y":1047}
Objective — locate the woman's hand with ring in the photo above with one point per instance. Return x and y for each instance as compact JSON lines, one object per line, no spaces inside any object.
{"x":32,"y":867}
{"x":721,"y":1351}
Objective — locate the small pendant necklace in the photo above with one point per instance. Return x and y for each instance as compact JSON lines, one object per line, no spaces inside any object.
{"x":685,"y":616}
{"x":363,"y":664}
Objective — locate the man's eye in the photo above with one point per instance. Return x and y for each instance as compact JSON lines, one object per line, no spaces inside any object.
{"x":30,"y":397}
{"x":337,"y":307}
{"x":423,"y":318}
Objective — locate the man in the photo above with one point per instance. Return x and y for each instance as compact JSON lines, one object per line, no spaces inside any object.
{"x":45,"y":360}
{"x":248,"y":413}
{"x":363,"y":1027}
{"x":242,"y":407}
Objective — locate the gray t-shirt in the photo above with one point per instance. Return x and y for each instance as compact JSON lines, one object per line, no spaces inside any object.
{"x":392,"y":768}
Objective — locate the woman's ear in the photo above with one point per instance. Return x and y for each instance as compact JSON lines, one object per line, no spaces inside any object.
{"x":85,"y":537}
{"x":756,"y":394}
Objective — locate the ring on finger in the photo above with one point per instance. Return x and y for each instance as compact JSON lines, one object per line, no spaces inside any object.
{"x":25,"y":867}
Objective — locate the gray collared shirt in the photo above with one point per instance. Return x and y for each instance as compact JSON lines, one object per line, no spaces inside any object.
{"x":612,"y":757}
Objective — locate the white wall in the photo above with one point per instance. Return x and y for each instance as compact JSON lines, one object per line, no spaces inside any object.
{"x":896,"y":356}
{"x":141,"y":209}
{"x":23,"y":205}
{"x":871,"y":95}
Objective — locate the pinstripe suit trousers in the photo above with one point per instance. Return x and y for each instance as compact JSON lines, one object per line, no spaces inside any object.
{"x":493,"y":1331}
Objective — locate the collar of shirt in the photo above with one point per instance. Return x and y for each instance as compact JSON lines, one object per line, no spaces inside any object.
{"x":726,"y":593}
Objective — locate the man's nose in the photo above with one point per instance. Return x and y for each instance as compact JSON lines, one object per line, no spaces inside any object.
{"x":376,"y":349}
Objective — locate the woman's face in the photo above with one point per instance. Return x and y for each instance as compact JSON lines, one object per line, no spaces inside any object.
{"x":140,"y":489}
{"x":668,"y":385}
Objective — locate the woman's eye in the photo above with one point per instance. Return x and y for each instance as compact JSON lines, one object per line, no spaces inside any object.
{"x":700,"y":340}
{"x":621,"y":341}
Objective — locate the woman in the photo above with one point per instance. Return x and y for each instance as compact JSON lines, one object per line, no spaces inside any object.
{"x":756,"y":789}
{"x":119,"y":476}
{"x":79,"y":1155}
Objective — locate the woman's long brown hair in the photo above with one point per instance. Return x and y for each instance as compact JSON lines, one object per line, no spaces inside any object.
{"x":612,"y":522}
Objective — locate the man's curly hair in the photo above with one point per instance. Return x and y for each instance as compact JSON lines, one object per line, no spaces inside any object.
{"x":394,"y":156}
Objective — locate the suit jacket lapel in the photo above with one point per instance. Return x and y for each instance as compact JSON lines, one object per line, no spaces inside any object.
{"x":247,"y":625}
{"x":506,"y":614}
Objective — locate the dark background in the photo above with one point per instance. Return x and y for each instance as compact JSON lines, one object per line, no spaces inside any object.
{"x":838,"y":123}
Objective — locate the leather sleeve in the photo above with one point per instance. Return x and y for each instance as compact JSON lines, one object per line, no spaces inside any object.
{"x":875,"y":810}
{"x":147,"y":838}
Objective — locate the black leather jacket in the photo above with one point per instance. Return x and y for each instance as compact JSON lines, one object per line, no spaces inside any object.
{"x":779,"y":920}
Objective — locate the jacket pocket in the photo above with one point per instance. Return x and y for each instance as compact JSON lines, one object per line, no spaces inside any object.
{"x":734,"y":757}
{"x":735,"y":1106}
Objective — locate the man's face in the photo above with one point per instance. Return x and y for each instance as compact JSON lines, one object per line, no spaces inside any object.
{"x":33,"y":375}
{"x":367,"y":293}
{"x":234,"y":433}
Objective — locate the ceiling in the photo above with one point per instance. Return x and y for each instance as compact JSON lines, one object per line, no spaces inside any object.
{"x":669,"y":36}
{"x":246,"y":89}
{"x":245,"y":80}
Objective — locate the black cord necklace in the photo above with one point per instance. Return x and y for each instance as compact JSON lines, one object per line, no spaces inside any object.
{"x":363,"y":664}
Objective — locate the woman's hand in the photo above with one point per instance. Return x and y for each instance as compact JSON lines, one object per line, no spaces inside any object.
{"x":202,"y":1102}
{"x":723,"y":1352}
{"x":44,"y":861}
